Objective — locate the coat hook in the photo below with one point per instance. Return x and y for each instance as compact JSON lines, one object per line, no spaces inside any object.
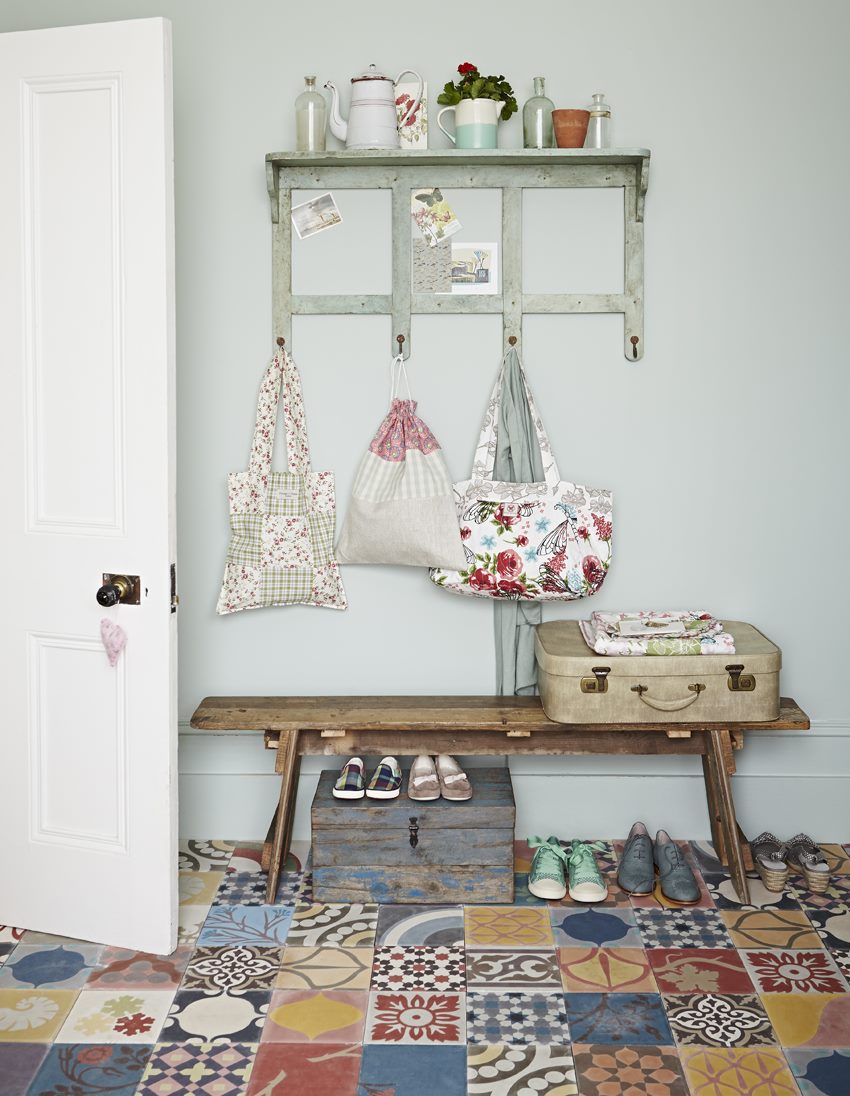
{"x":512,"y":340}
{"x":400,"y":340}
{"x":634,"y":341}
{"x":281,"y":341}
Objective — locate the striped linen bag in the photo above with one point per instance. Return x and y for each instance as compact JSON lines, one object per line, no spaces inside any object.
{"x":402,"y":508}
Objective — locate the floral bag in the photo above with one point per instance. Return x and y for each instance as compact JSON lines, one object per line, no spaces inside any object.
{"x":547,"y":541}
{"x":281,"y":523}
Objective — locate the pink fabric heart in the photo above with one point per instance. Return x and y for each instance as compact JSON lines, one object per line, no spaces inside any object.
{"x":114,"y":639}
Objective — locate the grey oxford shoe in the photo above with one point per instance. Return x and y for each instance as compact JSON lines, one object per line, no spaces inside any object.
{"x":636,"y":873}
{"x":678,"y":882}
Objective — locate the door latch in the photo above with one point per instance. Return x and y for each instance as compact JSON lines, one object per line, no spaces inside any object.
{"x":175,"y":600}
{"x":414,"y":832}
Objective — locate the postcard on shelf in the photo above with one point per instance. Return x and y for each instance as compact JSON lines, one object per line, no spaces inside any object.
{"x":315,"y":216}
{"x":475,"y":268}
{"x":414,"y":132}
{"x":433,"y":215}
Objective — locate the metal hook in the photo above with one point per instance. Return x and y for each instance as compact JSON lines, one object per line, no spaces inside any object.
{"x":400,"y":340}
{"x":634,"y":340}
{"x":281,"y":342}
{"x":512,"y":340}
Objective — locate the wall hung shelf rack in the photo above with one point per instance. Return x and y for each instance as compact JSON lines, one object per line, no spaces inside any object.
{"x":508,"y":170}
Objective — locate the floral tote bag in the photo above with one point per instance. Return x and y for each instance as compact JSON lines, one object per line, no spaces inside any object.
{"x":402,"y":507}
{"x":281,"y":523}
{"x":548,"y":541}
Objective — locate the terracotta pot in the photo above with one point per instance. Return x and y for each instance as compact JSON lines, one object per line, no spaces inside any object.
{"x":570,"y":127}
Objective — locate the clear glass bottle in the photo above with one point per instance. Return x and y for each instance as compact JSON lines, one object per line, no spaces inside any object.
{"x":599,"y":126}
{"x":537,"y":129}
{"x":311,"y":114}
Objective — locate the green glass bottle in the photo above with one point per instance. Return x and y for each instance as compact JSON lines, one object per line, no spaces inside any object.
{"x":537,"y":130}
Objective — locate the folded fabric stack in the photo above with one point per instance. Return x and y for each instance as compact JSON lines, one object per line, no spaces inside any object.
{"x":685,"y":632}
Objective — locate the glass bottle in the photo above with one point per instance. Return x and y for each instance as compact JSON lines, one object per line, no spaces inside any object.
{"x":537,"y":130}
{"x":310,"y":116}
{"x":599,"y":126}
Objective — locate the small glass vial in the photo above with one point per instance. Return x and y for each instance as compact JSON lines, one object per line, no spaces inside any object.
{"x":599,"y":126}
{"x":310,"y":116}
{"x":537,"y":129}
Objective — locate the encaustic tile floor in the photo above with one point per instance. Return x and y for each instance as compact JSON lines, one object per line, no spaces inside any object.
{"x":630,"y":997}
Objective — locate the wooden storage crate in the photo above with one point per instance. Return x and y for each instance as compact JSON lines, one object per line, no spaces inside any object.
{"x":401,"y":850}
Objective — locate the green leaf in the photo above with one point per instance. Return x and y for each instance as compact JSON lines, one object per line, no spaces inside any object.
{"x":476,"y":87}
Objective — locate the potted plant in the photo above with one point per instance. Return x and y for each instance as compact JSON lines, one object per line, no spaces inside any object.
{"x":478,"y":103}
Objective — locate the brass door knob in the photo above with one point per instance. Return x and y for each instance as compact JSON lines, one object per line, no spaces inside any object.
{"x":119,"y":588}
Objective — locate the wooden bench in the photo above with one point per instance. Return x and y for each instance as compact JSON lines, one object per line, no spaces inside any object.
{"x":476,"y":725}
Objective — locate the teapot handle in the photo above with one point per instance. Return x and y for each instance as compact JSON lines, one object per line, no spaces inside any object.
{"x":417,"y":98}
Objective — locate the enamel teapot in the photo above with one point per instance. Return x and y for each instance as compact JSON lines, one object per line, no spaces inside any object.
{"x":372,"y":119}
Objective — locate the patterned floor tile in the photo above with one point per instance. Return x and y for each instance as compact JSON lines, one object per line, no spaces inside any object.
{"x":198,"y":854}
{"x":234,"y":969}
{"x":89,"y":1069}
{"x":522,"y":895}
{"x":770,"y":929}
{"x":242,"y":889}
{"x":506,"y":1070}
{"x":821,"y":1072}
{"x":699,"y":970}
{"x":682,"y":929}
{"x":606,"y":970}
{"x":833,"y":929}
{"x":292,"y":888}
{"x":197,"y":1016}
{"x":284,"y":1069}
{"x":411,"y":1071}
{"x":33,"y":1016}
{"x":659,"y":901}
{"x":39,"y":966}
{"x":809,"y":1020}
{"x":507,"y":927}
{"x":632,"y":1019}
{"x":5,"y":951}
{"x":316,"y":1016}
{"x":50,"y":938}
{"x":120,"y":969}
{"x":254,"y":926}
{"x":836,"y":896}
{"x":737,"y":1071}
{"x":841,"y":957}
{"x":9,"y":935}
{"x":719,"y":1020}
{"x":608,"y":1068}
{"x":329,"y":925}
{"x":612,"y":928}
{"x":246,"y":857}
{"x":190,"y":921}
{"x":420,"y":925}
{"x":198,"y":888}
{"x":784,"y":971}
{"x":705,"y":857}
{"x":725,"y":897}
{"x":325,"y":968}
{"x":442,"y":969}
{"x":100,"y":1016}
{"x":527,"y":1018}
{"x":523,"y":856}
{"x":838,"y":858}
{"x":19,"y":1063}
{"x":416,"y":1017}
{"x":179,"y":1069}
{"x":521,"y":969}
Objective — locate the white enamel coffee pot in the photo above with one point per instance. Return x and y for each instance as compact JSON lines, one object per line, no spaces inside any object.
{"x":372,"y":120}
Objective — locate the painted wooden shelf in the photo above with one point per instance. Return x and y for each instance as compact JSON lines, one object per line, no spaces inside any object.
{"x":512,"y":171}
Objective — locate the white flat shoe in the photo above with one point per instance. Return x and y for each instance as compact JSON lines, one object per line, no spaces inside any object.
{"x":423,"y":783}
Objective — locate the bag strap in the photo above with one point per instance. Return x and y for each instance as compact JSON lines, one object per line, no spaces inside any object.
{"x":281,"y":373}
{"x":397,"y":373}
{"x":485,"y":455}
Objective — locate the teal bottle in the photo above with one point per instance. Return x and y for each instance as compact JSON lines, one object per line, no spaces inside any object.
{"x":537,"y":129}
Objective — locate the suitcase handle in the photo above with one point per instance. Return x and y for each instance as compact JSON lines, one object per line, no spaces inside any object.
{"x":668,"y":705}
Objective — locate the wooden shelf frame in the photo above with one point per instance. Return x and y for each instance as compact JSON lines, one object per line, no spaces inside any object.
{"x":508,"y":170}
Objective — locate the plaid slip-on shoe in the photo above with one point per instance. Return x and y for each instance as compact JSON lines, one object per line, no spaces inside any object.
{"x":349,"y":784}
{"x":386,"y":780}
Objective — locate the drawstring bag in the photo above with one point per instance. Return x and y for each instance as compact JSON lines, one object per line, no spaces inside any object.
{"x":281,"y":523}
{"x":548,"y":541}
{"x":401,"y":508}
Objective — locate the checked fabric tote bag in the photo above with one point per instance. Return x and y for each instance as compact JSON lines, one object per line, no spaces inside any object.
{"x":402,"y":508}
{"x":548,"y":541}
{"x":281,"y":523}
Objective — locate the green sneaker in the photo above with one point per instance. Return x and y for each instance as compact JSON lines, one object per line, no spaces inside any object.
{"x":586,"y":882}
{"x":547,"y":878}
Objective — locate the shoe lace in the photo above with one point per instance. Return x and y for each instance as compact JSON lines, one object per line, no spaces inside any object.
{"x":549,"y":859}
{"x":583,"y":867}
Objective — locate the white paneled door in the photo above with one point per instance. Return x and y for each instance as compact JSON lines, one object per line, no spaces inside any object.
{"x":87,"y":750}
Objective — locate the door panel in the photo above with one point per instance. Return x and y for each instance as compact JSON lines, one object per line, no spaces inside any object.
{"x":87,"y":786}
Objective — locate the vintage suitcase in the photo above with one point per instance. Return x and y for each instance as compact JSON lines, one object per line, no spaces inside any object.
{"x":398,"y":850}
{"x":579,"y":686}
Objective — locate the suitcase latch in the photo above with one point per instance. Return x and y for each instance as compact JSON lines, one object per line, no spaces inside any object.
{"x":414,"y":832}
{"x":599,"y":682}
{"x":738,"y":681}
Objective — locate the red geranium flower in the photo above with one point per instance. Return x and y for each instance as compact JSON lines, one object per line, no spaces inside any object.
{"x":508,"y":563}
{"x":482,"y":580}
{"x":466,"y":67}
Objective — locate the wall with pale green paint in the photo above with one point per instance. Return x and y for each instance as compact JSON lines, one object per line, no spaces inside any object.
{"x":726,"y":447}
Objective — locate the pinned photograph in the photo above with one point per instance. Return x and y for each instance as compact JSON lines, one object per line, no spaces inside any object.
{"x":475,"y":268}
{"x":433,"y":215}
{"x":315,"y":216}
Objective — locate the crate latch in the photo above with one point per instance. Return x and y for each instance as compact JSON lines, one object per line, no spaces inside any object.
{"x":738,"y":681}
{"x":414,"y":832}
{"x":599,"y":682}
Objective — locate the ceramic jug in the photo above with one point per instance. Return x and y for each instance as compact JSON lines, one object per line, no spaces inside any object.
{"x":372,"y":120}
{"x":476,"y":123}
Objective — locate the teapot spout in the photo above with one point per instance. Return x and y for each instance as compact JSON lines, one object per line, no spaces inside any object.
{"x":339,"y":126}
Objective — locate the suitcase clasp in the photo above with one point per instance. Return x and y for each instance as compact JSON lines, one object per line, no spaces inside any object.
{"x":599,"y":682}
{"x":738,"y":681}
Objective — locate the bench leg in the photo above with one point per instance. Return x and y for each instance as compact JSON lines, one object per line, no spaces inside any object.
{"x":276,"y":847}
{"x":719,"y":748}
{"x":713,"y":808}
